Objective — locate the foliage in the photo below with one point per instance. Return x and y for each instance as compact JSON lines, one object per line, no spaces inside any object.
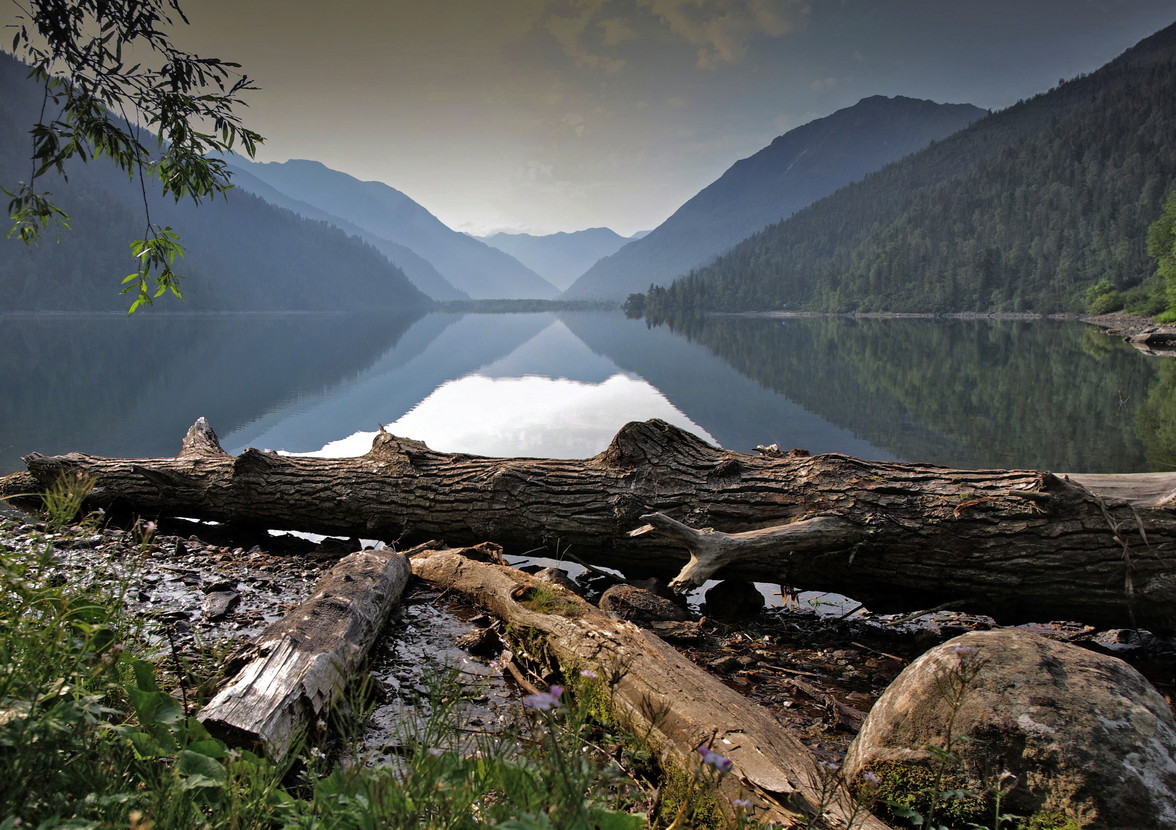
{"x":1023,"y":210}
{"x":1161,"y":244}
{"x":1103,"y":297}
{"x":89,"y":55}
{"x":63,"y":501}
{"x":550,"y":599}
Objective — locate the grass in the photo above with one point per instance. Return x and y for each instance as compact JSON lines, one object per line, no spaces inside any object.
{"x":90,"y":738}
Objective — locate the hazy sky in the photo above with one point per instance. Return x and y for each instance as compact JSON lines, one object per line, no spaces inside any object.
{"x":543,"y":116}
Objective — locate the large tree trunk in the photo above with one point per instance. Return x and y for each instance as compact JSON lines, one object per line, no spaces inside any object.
{"x":1018,"y":545}
{"x":298,"y":667}
{"x":660,"y":695}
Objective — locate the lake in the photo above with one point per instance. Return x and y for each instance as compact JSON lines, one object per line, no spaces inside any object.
{"x":1045,"y":394}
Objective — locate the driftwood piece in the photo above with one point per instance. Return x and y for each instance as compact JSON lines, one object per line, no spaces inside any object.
{"x":299,"y":665}
{"x":658,"y":693}
{"x":1019,"y":545}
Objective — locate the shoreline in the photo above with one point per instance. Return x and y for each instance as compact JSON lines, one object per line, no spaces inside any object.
{"x":1127,"y":326}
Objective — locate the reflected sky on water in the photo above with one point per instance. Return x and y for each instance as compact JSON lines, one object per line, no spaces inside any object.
{"x":526,"y":416}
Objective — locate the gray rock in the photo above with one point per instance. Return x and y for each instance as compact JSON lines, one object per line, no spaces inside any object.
{"x":1086,"y":735}
{"x":218,"y":604}
{"x":640,"y":606}
{"x":556,"y":576}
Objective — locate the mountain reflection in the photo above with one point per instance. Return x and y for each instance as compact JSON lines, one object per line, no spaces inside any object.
{"x":1042,"y":394}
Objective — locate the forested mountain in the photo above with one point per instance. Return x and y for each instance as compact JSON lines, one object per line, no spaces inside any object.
{"x":1024,"y":210}
{"x":559,"y":257}
{"x":795,"y":170}
{"x":243,"y":254}
{"x":469,"y":265}
{"x":418,"y":269}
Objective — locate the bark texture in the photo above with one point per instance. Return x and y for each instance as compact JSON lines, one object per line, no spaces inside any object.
{"x":1015,"y":544}
{"x":657,"y":693}
{"x":299,"y":665}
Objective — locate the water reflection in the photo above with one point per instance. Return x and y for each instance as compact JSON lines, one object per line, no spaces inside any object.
{"x":1042,"y":394}
{"x":533,"y":416}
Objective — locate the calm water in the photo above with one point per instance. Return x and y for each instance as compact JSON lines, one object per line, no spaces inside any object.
{"x":1043,"y":394}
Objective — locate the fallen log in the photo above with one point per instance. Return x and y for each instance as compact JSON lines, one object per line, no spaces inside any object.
{"x":1019,"y":545}
{"x":297,"y":668}
{"x":659,"y":695}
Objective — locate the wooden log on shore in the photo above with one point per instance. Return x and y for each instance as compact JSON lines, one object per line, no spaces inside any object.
{"x":658,"y":694}
{"x":1018,"y":545}
{"x":299,"y":665}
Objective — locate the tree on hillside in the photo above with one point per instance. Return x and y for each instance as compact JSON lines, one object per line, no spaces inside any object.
{"x":116,"y":87}
{"x":1161,"y":244}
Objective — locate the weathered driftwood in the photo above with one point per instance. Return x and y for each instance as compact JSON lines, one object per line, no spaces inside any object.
{"x":1018,"y":545}
{"x":299,"y":665}
{"x":658,"y":694}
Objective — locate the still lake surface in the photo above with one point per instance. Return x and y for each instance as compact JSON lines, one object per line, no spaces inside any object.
{"x":1042,"y":394}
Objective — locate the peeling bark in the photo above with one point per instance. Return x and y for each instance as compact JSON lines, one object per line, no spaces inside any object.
{"x":1018,"y":545}
{"x":298,"y":666}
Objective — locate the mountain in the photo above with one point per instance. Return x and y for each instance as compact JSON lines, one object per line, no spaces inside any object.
{"x":1025,"y":210}
{"x":559,"y":257}
{"x":242,"y":254}
{"x":470,"y":266}
{"x":798,"y":168}
{"x":419,"y":270}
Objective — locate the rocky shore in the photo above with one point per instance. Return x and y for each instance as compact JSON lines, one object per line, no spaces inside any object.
{"x":202,"y":593}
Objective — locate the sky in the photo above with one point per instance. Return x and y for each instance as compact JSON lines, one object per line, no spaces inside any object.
{"x":541,"y":116}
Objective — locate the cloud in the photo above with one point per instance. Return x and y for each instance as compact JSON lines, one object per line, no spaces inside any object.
{"x":576,"y":30}
{"x":721,"y":29}
{"x":616,"y":30}
{"x":595,"y":33}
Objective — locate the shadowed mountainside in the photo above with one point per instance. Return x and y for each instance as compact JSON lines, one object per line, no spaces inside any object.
{"x":792,"y":172}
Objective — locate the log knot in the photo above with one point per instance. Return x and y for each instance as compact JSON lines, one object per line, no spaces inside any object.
{"x":642,"y":442}
{"x":388,"y":447}
{"x":254,"y":461}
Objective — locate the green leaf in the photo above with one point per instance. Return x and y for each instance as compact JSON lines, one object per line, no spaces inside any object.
{"x":614,"y":820}
{"x":200,"y":770}
{"x":209,"y":747}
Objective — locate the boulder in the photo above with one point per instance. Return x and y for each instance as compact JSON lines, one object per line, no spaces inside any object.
{"x":733,"y":599}
{"x":1088,"y":739}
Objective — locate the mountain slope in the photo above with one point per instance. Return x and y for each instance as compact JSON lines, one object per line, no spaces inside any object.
{"x":1024,"y":210}
{"x":467,"y":264}
{"x":559,"y":257}
{"x":795,"y":170}
{"x":422,"y":274}
{"x":242,"y":253}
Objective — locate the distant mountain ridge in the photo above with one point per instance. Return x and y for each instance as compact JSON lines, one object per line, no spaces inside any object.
{"x":1022,"y":211}
{"x":560,"y":258}
{"x":466,"y":264}
{"x":419,"y":270}
{"x":242,"y":253}
{"x":795,"y":170}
